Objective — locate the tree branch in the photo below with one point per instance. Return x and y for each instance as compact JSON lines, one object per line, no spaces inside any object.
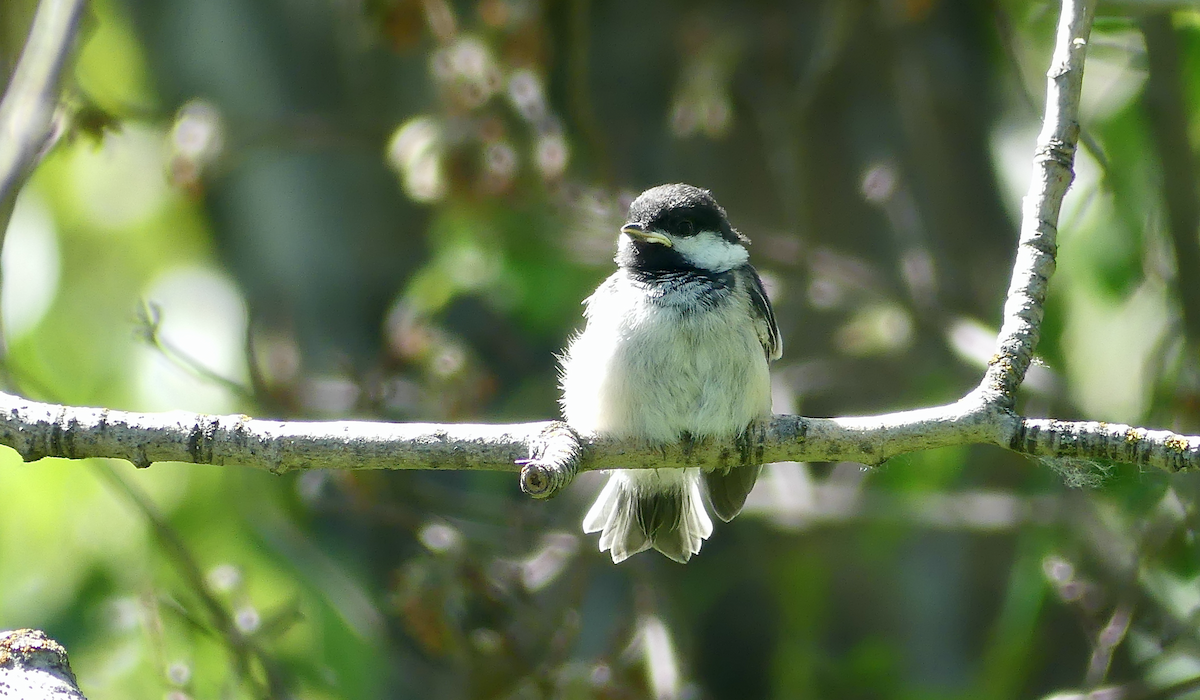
{"x":33,"y":665}
{"x":548,"y":454}
{"x":27,"y":109}
{"x":1053,"y":161}
{"x":1096,"y":440}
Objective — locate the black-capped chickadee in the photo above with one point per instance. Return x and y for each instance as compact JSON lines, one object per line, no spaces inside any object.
{"x":676,"y":346}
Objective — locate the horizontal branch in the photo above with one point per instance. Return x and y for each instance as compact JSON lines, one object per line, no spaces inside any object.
{"x":38,"y":430}
{"x":548,"y":454}
{"x":1096,"y":440}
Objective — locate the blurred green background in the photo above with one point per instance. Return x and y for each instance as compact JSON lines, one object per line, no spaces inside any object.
{"x":391,"y":209}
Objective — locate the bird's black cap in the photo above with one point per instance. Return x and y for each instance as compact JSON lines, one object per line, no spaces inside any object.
{"x":665,"y":207}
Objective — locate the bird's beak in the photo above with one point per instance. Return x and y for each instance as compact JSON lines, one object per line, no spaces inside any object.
{"x":639,"y":233}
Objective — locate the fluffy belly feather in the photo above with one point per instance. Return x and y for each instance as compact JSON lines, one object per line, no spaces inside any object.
{"x":657,"y":375}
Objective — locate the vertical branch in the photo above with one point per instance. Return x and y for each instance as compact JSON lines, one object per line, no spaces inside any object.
{"x":27,"y":109}
{"x":1053,"y":164}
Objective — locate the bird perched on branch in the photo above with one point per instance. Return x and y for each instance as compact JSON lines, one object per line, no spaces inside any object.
{"x":676,"y":347}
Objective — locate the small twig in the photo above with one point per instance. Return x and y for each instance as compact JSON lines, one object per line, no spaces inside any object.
{"x":241,"y":648}
{"x":1108,"y":639}
{"x":259,"y":387}
{"x":1170,"y":691}
{"x":150,"y":318}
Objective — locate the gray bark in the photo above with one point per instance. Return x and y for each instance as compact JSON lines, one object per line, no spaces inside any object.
{"x":34,"y":666}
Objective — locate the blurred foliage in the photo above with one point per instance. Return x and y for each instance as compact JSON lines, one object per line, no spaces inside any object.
{"x":391,"y":209}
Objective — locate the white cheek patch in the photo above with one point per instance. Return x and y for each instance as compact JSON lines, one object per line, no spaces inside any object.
{"x":708,"y":251}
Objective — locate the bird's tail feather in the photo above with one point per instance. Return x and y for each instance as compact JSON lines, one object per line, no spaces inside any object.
{"x":640,"y":509}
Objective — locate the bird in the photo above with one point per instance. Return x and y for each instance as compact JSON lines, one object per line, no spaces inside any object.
{"x":676,"y":346}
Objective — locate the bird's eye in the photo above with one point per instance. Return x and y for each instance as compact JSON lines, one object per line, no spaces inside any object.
{"x":685,"y":227}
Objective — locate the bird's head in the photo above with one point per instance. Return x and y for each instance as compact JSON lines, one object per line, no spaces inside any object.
{"x":679,"y":227}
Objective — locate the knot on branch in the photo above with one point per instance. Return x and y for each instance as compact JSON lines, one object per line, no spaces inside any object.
{"x":553,"y":461}
{"x":1059,"y":151}
{"x":1043,"y":240}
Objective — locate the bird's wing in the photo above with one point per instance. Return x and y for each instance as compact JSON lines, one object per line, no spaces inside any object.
{"x":760,"y":305}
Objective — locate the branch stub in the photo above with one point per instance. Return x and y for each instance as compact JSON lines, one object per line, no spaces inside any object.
{"x":553,"y":461}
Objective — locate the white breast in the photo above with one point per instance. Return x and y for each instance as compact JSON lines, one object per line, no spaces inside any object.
{"x":641,"y":369}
